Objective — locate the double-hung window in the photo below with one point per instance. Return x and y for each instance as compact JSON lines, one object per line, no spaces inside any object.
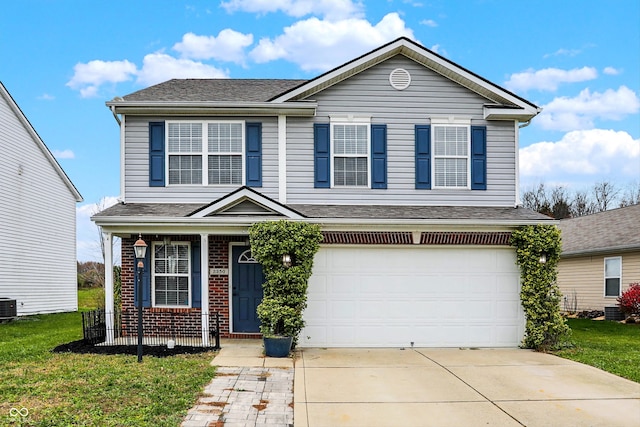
{"x":612,"y":276}
{"x":205,"y":153}
{"x":225,"y":153}
{"x":350,"y":143}
{"x":185,"y":153}
{"x":451,"y":146}
{"x":171,"y":274}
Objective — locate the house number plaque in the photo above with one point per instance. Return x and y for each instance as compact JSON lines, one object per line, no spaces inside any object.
{"x":218,"y":271}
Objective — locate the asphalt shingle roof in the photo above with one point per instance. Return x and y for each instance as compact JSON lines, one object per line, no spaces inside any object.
{"x":214,"y":90}
{"x":617,"y":229}
{"x":169,"y":210}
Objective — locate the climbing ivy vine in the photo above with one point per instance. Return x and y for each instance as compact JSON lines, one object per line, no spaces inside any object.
{"x":285,"y":287}
{"x":546,"y":328}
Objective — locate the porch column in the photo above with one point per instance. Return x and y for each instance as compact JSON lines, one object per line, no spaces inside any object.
{"x":204,"y":287}
{"x":108,"y":286}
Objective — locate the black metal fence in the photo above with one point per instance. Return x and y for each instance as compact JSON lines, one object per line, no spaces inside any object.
{"x":171,"y":331}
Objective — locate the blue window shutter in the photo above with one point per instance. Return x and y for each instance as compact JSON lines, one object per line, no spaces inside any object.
{"x":254,"y":155}
{"x":379,"y":156}
{"x":478,"y":157}
{"x":146,"y":280}
{"x":196,"y":275}
{"x":156,"y":154}
{"x":322,"y":155}
{"x":423,"y":156}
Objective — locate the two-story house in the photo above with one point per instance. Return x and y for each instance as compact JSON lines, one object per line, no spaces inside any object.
{"x":408,"y":161}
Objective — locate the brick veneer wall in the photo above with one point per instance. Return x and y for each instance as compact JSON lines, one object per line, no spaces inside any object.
{"x":158,"y":320}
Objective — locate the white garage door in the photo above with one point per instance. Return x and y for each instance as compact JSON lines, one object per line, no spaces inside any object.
{"x":393,"y":296}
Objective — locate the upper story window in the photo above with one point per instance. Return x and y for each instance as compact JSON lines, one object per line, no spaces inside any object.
{"x":221,"y":152}
{"x":451,"y":146}
{"x":351,"y":142}
{"x":612,"y":276}
{"x":171,"y":274}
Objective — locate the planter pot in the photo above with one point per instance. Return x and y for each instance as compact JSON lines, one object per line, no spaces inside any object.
{"x":277,"y":346}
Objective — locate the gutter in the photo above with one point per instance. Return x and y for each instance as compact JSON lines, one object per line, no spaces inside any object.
{"x":115,"y":116}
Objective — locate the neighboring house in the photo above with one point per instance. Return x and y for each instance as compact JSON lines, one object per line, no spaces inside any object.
{"x":38,"y":266}
{"x":406,"y":160}
{"x":600,"y":258}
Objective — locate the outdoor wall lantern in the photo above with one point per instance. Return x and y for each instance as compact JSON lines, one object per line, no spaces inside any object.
{"x":140,"y":249}
{"x":543,"y":258}
{"x":286,"y":260}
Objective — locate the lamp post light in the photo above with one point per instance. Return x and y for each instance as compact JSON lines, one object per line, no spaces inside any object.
{"x":140,"y":249}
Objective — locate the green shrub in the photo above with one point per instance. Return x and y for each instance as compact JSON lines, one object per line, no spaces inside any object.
{"x":545,"y":328}
{"x":285,"y":288}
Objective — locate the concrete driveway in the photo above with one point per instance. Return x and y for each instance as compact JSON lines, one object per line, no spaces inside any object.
{"x":457,"y":387}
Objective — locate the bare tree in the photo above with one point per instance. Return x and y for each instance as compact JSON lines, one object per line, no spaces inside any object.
{"x":560,"y":204}
{"x":537,"y":199}
{"x":604,"y":193}
{"x":631,"y":195}
{"x":581,"y":204}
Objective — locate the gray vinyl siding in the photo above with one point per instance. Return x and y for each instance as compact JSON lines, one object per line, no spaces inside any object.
{"x":38,"y":266}
{"x":369,"y":93}
{"x":136,"y":167}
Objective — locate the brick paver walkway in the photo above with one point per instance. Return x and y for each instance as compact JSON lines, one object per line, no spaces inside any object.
{"x":245,"y":397}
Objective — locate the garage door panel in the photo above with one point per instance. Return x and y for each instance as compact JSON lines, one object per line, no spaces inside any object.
{"x":375,"y":296}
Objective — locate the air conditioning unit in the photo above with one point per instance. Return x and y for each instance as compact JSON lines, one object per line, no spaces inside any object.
{"x":8,"y":308}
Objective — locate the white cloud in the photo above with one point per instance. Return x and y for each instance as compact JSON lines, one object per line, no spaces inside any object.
{"x":63,"y":154}
{"x":429,"y":23}
{"x":160,"y":67}
{"x":329,"y":9}
{"x":611,"y":71}
{"x":87,"y":78}
{"x":583,"y":155}
{"x":580,"y":112}
{"x":228,"y":46}
{"x":87,"y":234}
{"x":548,"y":79}
{"x":317,"y":45}
{"x":563,"y":52}
{"x":47,"y":97}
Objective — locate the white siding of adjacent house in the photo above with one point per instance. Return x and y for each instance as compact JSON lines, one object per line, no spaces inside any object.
{"x":37,"y":224}
{"x":583,"y":277}
{"x":136,"y":165}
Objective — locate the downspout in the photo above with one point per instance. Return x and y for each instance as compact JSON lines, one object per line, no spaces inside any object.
{"x":115,"y":116}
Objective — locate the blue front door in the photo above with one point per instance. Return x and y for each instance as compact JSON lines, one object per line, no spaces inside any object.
{"x":246,"y":288}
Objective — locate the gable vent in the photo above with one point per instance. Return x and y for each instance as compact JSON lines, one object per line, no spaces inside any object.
{"x":400,"y":79}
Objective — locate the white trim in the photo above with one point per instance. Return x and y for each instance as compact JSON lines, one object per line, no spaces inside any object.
{"x":450,"y":120}
{"x":204,"y":287}
{"x":205,"y":153}
{"x":123,"y":159}
{"x":353,"y":121}
{"x":454,"y":123}
{"x":619,"y":277}
{"x":282,"y":159}
{"x":518,"y":202}
{"x":242,"y":195}
{"x":152,"y":274}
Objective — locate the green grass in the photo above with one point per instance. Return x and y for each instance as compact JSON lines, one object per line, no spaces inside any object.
{"x":90,"y":298}
{"x":90,"y":390}
{"x":611,"y":346}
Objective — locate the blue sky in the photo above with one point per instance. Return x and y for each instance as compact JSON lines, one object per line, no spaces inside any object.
{"x":578,"y":59}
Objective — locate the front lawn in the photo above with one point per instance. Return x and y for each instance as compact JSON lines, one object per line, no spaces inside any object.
{"x":64,"y":389}
{"x":611,"y":346}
